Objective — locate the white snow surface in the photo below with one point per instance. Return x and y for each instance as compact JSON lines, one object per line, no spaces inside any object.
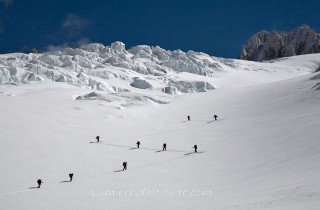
{"x":262,"y":153}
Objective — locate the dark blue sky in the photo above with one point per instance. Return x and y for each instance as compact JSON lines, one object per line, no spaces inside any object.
{"x":218,"y":28}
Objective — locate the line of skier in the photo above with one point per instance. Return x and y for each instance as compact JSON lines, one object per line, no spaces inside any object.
{"x":164,"y":146}
{"x":39,"y":181}
{"x":125,"y":164}
{"x":214,"y":116}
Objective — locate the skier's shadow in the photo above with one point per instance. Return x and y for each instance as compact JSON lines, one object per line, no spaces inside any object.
{"x":211,"y":121}
{"x":32,"y":188}
{"x":64,"y":181}
{"x":133,"y":148}
{"x":118,"y":170}
{"x":190,"y":153}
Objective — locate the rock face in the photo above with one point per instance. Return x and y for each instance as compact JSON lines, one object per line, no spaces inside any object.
{"x":270,"y":45}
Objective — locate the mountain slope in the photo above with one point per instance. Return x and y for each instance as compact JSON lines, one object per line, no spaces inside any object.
{"x":262,"y":153}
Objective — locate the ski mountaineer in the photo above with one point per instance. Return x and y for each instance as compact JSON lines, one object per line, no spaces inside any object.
{"x":138,"y":144}
{"x":164,"y":147}
{"x":188,"y":118}
{"x":124,"y":166}
{"x":98,"y":139}
{"x":215,"y":117}
{"x":71,"y":176}
{"x":195,"y":148}
{"x":39,"y":182}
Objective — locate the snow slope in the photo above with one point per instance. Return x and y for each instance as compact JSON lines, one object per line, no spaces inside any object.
{"x":262,"y":153}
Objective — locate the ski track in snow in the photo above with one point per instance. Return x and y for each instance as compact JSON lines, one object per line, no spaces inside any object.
{"x":29,"y":189}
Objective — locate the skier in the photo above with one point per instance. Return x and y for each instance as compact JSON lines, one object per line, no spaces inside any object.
{"x":164,"y":147}
{"x":124,"y":166}
{"x":188,"y":118}
{"x":195,"y":148}
{"x":98,"y":139}
{"x":71,"y":176}
{"x":215,"y":117}
{"x":39,"y":182}
{"x":138,"y":144}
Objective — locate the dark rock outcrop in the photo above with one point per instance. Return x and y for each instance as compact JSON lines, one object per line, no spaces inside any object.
{"x":270,"y":45}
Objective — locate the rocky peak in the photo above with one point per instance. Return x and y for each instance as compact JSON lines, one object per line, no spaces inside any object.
{"x":266,"y":45}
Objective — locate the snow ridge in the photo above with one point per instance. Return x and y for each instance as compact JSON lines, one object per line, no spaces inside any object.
{"x":141,"y":69}
{"x":69,"y":64}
